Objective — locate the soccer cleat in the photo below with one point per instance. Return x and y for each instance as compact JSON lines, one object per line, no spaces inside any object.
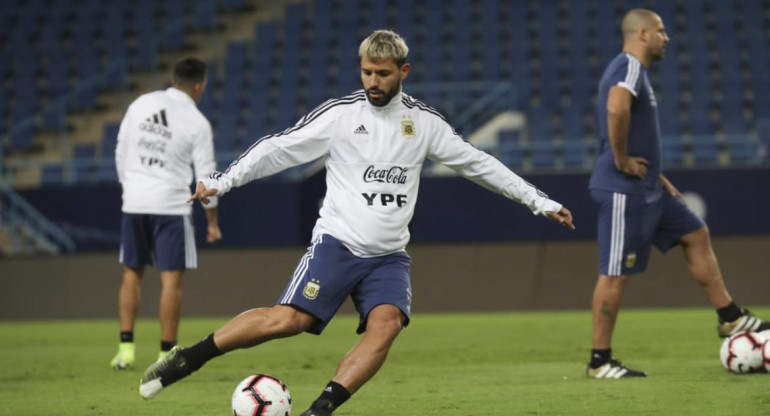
{"x":613,"y":369}
{"x":125,"y":358}
{"x":747,"y":322}
{"x":162,"y":373}
{"x":311,"y":412}
{"x":319,"y":408}
{"x":162,"y":355}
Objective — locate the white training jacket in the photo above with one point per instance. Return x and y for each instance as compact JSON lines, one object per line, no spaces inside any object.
{"x":162,"y":134}
{"x":373,"y":160}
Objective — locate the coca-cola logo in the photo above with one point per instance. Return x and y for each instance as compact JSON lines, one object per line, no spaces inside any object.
{"x":393,"y":174}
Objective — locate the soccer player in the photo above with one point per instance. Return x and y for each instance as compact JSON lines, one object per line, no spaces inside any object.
{"x":375,"y":142}
{"x":161,"y":135}
{"x":638,"y":206}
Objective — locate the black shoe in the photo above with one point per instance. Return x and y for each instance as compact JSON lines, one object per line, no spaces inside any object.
{"x":319,"y":408}
{"x":613,"y":369}
{"x":160,"y":375}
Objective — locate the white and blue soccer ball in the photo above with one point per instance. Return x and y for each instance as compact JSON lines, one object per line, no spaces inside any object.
{"x":742,"y":352}
{"x":261,"y":395}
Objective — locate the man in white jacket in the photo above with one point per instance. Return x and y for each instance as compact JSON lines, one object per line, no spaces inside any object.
{"x":161,"y":135}
{"x":375,"y":142}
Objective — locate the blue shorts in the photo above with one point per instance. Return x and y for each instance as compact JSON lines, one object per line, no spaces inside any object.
{"x":328,"y":273}
{"x":629,"y":225}
{"x":167,"y":241}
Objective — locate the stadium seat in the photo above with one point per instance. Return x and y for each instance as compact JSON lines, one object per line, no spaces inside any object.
{"x":83,"y":157}
{"x":509,"y":147}
{"x":572,"y":126}
{"x":731,"y":118}
{"x":539,"y":126}
{"x":742,"y":150}
{"x":553,"y":53}
{"x":575,"y":154}
{"x":109,"y":140}
{"x":705,"y":151}
{"x":52,"y":175}
{"x":674,"y":149}
{"x":23,"y":137}
{"x":542,"y":154}
{"x":205,"y":14}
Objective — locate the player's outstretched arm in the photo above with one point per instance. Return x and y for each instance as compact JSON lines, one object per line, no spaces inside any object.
{"x":563,"y":217}
{"x":202,"y":194}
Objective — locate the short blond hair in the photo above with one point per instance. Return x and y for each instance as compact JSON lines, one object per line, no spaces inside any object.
{"x":382,"y":45}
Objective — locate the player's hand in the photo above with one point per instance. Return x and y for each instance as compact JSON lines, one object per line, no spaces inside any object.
{"x":633,"y":166}
{"x":563,"y":217}
{"x":202,"y":194}
{"x":214,"y":234}
{"x":670,"y":188}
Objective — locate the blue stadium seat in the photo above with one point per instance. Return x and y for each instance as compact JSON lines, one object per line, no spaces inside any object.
{"x":83,"y":155}
{"x":23,"y":138}
{"x":226,"y":133}
{"x":575,"y":154}
{"x":761,"y":101}
{"x":705,"y":151}
{"x":701,"y":124}
{"x":236,"y":58}
{"x":674,"y":149}
{"x":235,"y":4}
{"x":572,"y":126}
{"x":373,"y":13}
{"x":731,"y":119}
{"x":742,"y":150}
{"x":542,"y":154}
{"x":54,"y":115}
{"x":670,"y":124}
{"x":539,"y":126}
{"x":509,"y":136}
{"x":109,"y":139}
{"x":85,"y":97}
{"x":207,"y":105}
{"x":174,"y":34}
{"x":52,"y":175}
{"x":509,"y":148}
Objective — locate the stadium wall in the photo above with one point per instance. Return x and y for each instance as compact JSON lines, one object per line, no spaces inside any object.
{"x":488,"y":276}
{"x":472,"y":249}
{"x":450,"y":209}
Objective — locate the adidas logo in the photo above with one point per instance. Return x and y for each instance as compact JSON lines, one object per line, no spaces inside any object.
{"x":159,"y":118}
{"x":328,"y":389}
{"x":361,"y":130}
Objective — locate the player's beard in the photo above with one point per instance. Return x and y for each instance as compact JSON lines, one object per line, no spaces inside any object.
{"x":383,"y":99}
{"x":659,"y":54}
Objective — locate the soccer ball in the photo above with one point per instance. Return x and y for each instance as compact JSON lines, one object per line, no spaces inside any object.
{"x":766,"y":355}
{"x":261,"y":395}
{"x":742,"y":352}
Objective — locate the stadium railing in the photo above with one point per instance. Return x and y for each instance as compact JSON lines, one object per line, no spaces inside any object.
{"x":30,"y":232}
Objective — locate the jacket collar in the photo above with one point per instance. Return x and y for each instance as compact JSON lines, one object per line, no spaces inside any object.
{"x":394,"y":103}
{"x":180,"y":95}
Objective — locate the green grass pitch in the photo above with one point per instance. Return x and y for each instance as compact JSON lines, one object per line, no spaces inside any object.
{"x":523,"y":363}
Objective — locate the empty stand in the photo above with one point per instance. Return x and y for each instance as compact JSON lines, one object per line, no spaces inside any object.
{"x":710,"y":86}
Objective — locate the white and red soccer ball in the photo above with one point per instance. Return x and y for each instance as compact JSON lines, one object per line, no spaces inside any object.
{"x":261,"y":395}
{"x":766,"y":349}
{"x":745,"y":352}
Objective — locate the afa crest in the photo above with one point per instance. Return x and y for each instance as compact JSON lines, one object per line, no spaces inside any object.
{"x":311,"y":289}
{"x":407,"y":129}
{"x":631,"y":259}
